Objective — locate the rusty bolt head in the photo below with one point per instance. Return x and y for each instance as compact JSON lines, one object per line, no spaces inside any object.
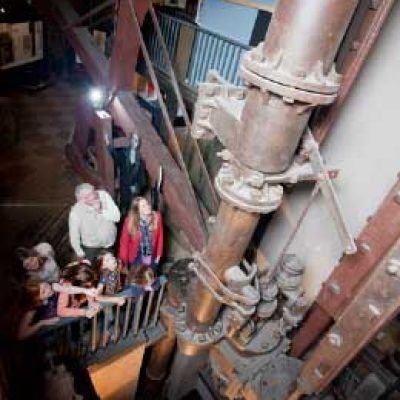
{"x":393,"y":267}
{"x":355,"y":45}
{"x":334,"y":287}
{"x":365,"y":247}
{"x":265,"y":344}
{"x":318,"y":373}
{"x":335,"y":339}
{"x":374,"y":4}
{"x":374,"y":310}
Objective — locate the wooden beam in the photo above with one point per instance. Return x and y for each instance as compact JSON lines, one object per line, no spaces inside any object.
{"x":126,"y":45}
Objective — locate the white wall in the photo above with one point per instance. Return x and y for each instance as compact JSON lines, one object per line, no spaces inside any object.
{"x":365,"y":145}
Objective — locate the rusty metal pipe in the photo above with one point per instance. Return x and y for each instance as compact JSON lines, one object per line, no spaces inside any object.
{"x":228,"y":241}
{"x":304,"y":36}
{"x":273,"y":127}
{"x":294,"y":68}
{"x":160,"y":357}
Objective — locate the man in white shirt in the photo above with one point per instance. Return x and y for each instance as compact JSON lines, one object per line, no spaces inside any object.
{"x":92,"y":221}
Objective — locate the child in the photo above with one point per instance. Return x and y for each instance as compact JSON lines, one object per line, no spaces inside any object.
{"x":140,"y":280}
{"x":110,"y":274}
{"x":142,"y":238}
{"x":39,"y":262}
{"x":43,"y":308}
{"x":80,"y":274}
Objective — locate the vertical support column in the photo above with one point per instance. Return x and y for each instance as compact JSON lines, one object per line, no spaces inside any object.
{"x":228,"y":241}
{"x":126,"y":45}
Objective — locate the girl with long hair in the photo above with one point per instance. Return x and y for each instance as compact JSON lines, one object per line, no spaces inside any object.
{"x":142,"y":238}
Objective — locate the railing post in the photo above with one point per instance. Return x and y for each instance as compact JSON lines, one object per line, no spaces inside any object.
{"x":148,"y":308}
{"x":116,"y":324}
{"x":136,"y":318}
{"x":126,"y":320}
{"x":94,"y":334}
{"x":106,"y":319}
{"x":157,"y":309}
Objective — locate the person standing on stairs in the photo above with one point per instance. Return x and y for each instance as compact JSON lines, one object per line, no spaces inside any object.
{"x":142,"y":238}
{"x":92,"y":221}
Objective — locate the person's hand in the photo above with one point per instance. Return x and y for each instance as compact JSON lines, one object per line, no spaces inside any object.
{"x":92,"y":292}
{"x":96,"y":204}
{"x":120,"y":301}
{"x":91,"y":312}
{"x":49,"y":321}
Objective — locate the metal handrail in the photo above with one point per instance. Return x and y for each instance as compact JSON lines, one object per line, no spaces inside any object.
{"x":205,"y":30}
{"x":209,"y":50}
{"x":114,"y":327}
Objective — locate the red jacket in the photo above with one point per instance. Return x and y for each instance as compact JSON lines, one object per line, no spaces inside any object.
{"x":129,"y":246}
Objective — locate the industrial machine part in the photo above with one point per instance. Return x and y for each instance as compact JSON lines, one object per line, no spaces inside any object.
{"x":288,"y":75}
{"x":374,"y":304}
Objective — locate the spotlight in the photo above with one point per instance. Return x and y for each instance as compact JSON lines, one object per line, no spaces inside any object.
{"x":2,"y":10}
{"x":96,"y":97}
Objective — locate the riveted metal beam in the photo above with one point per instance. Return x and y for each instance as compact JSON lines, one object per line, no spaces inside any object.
{"x":378,"y":235}
{"x":374,"y":305}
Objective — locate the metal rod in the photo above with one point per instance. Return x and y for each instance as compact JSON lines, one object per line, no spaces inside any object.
{"x":227,"y":243}
{"x":94,"y":333}
{"x":126,"y":320}
{"x":90,"y":14}
{"x":116,"y":323}
{"x":182,"y":105}
{"x":137,"y":312}
{"x":104,"y":338}
{"x":296,"y":395}
{"x":148,"y":308}
{"x":330,"y":196}
{"x":274,"y":270}
{"x":158,"y":305}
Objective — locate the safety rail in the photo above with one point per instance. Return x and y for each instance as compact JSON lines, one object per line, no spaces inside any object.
{"x":208,"y":50}
{"x":114,"y":329}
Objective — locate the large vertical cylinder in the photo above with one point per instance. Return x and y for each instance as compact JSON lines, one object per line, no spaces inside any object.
{"x":295,"y":70}
{"x":228,"y":241}
{"x":272,"y":127}
{"x":304,"y":35}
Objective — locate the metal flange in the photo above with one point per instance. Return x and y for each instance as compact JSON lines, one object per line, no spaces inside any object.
{"x":204,"y":339}
{"x":248,"y":192}
{"x":314,"y":82}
